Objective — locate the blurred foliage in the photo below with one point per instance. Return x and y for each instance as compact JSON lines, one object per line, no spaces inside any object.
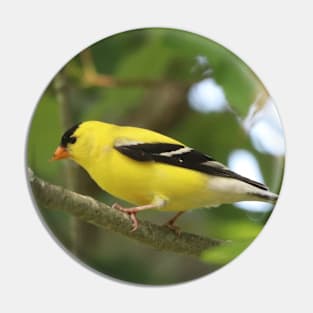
{"x":168,"y":58}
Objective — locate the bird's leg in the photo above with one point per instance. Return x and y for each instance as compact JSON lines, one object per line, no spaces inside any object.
{"x":170,"y":223}
{"x":133,"y":211}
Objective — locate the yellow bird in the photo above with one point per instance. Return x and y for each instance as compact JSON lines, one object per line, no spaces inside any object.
{"x":153,"y":171}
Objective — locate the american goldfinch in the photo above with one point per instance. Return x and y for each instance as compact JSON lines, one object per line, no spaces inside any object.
{"x":153,"y":171}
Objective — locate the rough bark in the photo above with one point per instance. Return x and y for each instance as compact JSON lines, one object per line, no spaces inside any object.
{"x":97,"y":213}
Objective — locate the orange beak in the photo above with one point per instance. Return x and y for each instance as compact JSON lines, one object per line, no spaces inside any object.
{"x":60,"y":153}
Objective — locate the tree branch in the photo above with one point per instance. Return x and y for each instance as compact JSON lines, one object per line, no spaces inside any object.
{"x":92,"y":78}
{"x":97,"y":213}
{"x":166,"y":106}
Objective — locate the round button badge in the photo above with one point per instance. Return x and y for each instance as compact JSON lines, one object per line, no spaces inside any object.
{"x":155,"y":156}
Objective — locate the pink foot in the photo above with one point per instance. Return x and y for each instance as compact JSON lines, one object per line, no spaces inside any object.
{"x":131,"y":212}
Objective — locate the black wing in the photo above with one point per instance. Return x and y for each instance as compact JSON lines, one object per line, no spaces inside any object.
{"x":182,"y":156}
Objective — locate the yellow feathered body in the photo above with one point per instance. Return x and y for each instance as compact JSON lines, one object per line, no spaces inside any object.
{"x":114,"y":157}
{"x":136,"y":182}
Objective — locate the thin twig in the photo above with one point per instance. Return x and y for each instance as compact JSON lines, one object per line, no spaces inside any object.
{"x":92,"y":78}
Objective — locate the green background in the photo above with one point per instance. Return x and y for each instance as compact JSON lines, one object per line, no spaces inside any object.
{"x":152,"y":71}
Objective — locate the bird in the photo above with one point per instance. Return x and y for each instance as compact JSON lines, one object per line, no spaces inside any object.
{"x":152,"y":171}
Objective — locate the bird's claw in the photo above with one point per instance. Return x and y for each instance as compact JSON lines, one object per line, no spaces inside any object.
{"x":173,"y":227}
{"x":117,"y":206}
{"x":130,"y":212}
{"x":134,"y":221}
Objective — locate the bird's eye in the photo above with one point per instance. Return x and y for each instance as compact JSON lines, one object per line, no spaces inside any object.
{"x":68,"y":136}
{"x":67,"y":139}
{"x":72,"y":140}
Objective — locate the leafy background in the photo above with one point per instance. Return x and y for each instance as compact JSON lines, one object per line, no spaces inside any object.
{"x":143,"y":78}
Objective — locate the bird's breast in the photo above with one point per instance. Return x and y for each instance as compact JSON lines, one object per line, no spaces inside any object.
{"x":141,"y":183}
{"x":123,"y":177}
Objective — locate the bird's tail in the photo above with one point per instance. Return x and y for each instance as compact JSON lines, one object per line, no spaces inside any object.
{"x":264,"y":195}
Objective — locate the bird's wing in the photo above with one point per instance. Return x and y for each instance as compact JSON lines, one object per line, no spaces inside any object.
{"x":179,"y":155}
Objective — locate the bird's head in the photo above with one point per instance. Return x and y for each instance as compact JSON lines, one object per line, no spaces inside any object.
{"x":84,"y":141}
{"x":68,"y":139}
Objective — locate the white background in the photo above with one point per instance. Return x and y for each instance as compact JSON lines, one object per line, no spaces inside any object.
{"x":274,"y":38}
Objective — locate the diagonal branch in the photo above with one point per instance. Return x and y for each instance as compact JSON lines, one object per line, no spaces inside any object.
{"x":95,"y":212}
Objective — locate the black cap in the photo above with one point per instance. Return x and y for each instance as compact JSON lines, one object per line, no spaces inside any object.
{"x":68,"y":136}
